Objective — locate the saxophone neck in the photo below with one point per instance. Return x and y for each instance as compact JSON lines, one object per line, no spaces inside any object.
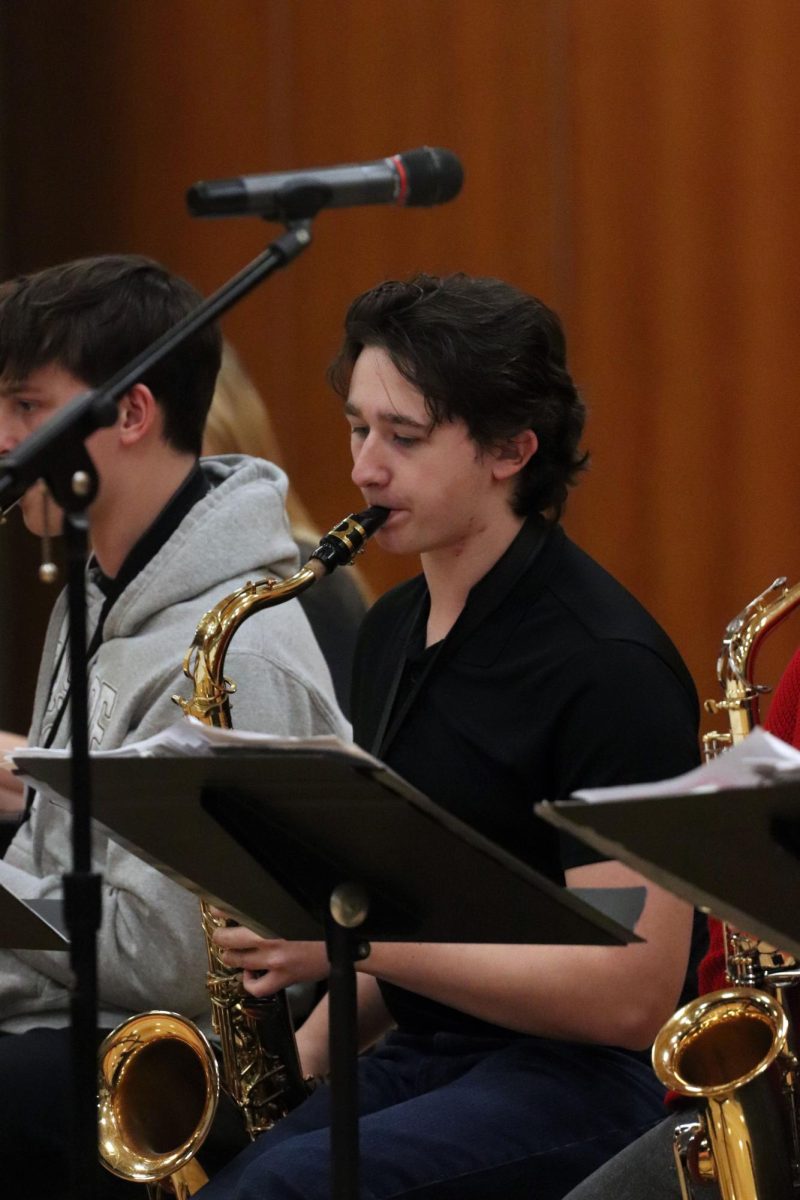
{"x":743,"y":638}
{"x":204,"y":663}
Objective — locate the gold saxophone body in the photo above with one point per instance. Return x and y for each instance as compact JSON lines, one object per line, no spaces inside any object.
{"x":735,"y":1050}
{"x":159,"y":1081}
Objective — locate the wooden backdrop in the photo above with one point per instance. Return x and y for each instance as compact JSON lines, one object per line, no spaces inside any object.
{"x":634,"y":162}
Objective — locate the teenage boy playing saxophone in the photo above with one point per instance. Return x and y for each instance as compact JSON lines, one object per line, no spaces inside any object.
{"x":513,"y":668}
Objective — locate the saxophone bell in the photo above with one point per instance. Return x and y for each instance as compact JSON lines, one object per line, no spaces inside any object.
{"x":157,"y":1095}
{"x":730,"y":1049}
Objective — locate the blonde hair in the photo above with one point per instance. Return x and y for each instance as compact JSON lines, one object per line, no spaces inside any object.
{"x":238,"y":423}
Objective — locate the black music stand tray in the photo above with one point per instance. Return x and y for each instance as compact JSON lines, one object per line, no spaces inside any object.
{"x":324,"y":843}
{"x":734,"y":853}
{"x":31,"y":924}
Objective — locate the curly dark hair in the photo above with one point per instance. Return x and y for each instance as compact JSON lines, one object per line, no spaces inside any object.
{"x":482,"y":351}
{"x":94,"y":315}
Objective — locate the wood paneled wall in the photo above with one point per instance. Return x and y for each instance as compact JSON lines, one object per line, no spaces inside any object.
{"x":631,"y":161}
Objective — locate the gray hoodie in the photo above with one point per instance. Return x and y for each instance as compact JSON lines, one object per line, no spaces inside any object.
{"x":151,"y":952}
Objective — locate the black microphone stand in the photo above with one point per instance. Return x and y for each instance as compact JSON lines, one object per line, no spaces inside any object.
{"x":56,"y":453}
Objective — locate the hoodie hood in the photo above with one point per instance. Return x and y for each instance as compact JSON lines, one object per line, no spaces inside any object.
{"x":214,"y":542}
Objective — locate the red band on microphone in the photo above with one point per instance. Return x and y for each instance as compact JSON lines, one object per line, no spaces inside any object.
{"x":400,"y":167}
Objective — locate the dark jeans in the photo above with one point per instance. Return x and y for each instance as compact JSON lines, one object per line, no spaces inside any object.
{"x":35,"y":1126}
{"x":446,"y":1117}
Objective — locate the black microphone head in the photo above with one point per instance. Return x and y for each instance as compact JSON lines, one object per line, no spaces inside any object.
{"x":433,"y":175}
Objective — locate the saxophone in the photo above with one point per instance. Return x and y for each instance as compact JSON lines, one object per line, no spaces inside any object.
{"x":160,"y":1062}
{"x":736,"y":1049}
{"x":743,"y":638}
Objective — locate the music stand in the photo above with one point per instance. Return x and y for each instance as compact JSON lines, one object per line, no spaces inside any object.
{"x":328,"y":844}
{"x":735,"y":853}
{"x":31,"y":924}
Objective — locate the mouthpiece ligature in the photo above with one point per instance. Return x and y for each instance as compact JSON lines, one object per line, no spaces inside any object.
{"x":341,"y":544}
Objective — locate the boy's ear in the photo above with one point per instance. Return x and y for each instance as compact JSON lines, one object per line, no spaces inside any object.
{"x":138,"y":411}
{"x":512,"y":454}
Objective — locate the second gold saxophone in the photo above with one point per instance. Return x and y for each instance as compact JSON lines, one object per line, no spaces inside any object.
{"x":735,"y":1050}
{"x":260,"y":1065}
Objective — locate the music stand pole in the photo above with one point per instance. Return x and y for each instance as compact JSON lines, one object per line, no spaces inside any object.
{"x":82,"y":886}
{"x":348,"y":909}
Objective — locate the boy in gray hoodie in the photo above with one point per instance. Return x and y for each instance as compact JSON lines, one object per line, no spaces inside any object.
{"x":171,"y":535}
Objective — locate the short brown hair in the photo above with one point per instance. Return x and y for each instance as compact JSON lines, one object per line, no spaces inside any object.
{"x":482,"y":351}
{"x":94,"y":315}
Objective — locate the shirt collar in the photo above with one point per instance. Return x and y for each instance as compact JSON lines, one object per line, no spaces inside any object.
{"x":492,"y":588}
{"x":486,"y":595}
{"x":194,"y":487}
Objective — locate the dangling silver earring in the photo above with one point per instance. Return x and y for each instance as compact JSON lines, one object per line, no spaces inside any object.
{"x":48,"y":571}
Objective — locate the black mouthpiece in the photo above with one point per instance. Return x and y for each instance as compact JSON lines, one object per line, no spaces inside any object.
{"x":341,"y":544}
{"x":370,"y":519}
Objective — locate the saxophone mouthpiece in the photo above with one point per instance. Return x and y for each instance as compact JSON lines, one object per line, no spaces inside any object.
{"x":371,"y":519}
{"x":341,"y":544}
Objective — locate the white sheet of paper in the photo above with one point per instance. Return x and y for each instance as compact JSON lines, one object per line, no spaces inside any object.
{"x":758,"y":760}
{"x":190,"y":737}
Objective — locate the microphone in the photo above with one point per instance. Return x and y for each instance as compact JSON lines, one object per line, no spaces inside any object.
{"x":423,"y":176}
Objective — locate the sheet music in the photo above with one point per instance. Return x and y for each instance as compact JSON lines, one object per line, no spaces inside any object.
{"x":190,"y":737}
{"x":758,"y":760}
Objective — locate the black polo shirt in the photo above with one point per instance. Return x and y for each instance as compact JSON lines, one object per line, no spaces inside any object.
{"x":553,"y":678}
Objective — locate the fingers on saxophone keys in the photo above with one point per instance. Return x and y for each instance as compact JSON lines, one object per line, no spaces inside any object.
{"x":243,"y":950}
{"x":262,"y":983}
{"x":218,"y":914}
{"x":248,"y":961}
{"x":238,"y":937}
